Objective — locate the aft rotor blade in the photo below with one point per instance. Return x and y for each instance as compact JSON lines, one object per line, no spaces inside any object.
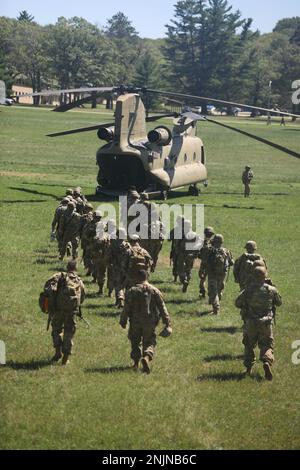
{"x":213,"y":100}
{"x":160,"y":116}
{"x":81,"y":129}
{"x":256,"y":137}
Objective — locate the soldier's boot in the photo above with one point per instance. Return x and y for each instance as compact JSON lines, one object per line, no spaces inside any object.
{"x":202,"y":293}
{"x":216,"y":310}
{"x":88,"y":273}
{"x":65,"y":360}
{"x":120,"y":303}
{"x":110,"y":293}
{"x":247,"y":371}
{"x":185,"y":287}
{"x":100,"y":291}
{"x":58,"y":355}
{"x":175,"y":278}
{"x":136,"y":364}
{"x":146,"y":364}
{"x":268,"y":372}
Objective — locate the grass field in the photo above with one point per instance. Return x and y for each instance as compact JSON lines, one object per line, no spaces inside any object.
{"x":195,"y":397}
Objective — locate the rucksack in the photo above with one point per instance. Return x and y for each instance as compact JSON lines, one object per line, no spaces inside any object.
{"x":137,"y":261}
{"x":68,"y":292}
{"x":218,"y":260}
{"x":143,"y":299}
{"x":47,"y":298}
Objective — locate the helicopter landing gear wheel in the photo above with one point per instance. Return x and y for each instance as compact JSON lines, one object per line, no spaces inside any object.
{"x":194,"y":191}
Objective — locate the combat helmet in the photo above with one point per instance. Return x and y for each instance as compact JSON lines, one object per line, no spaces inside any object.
{"x":218,"y":239}
{"x":251,"y":246}
{"x":209,"y":231}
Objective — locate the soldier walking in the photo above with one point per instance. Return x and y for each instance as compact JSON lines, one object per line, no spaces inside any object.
{"x":219,"y":262}
{"x":144,"y":306}
{"x":242,"y":266}
{"x":257,"y":302}
{"x":66,"y":294}
{"x":70,"y":230}
{"x":208,"y":235}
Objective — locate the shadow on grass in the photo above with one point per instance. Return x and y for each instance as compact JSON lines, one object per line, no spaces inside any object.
{"x":93,"y":295}
{"x":226,"y":329}
{"x":113,"y":314}
{"x":223,"y":357}
{"x":46,"y":260}
{"x":30,"y":365}
{"x":228,"y":377}
{"x":31,"y":191}
{"x":205,"y":313}
{"x":181,"y":301}
{"x":108,"y":370}
{"x":23,"y":202}
{"x":226,"y":206}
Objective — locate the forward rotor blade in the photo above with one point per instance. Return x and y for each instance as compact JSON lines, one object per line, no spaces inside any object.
{"x":259,"y":139}
{"x":213,"y":100}
{"x":81,"y":129}
{"x":74,"y":104}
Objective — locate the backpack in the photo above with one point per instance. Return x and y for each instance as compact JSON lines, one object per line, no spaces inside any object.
{"x":143,"y":299}
{"x":137,"y":261}
{"x":68,"y":294}
{"x":218,"y":260}
{"x":47,"y":298}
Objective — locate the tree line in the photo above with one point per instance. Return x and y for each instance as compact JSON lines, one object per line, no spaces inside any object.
{"x":209,"y":50}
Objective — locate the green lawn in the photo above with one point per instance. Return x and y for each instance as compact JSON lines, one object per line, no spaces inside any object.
{"x":195,"y":397}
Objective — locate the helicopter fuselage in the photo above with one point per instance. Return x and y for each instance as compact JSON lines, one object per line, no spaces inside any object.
{"x":161,"y":160}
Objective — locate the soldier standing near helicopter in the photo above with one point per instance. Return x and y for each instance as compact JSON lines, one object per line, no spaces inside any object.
{"x":247,"y":178}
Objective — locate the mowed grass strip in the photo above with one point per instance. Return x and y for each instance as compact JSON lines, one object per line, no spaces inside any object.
{"x":195,"y":397}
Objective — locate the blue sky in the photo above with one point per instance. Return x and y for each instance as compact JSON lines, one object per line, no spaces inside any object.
{"x":148,"y":16}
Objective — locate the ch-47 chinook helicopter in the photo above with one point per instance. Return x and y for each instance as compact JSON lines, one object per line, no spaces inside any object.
{"x":160,"y":160}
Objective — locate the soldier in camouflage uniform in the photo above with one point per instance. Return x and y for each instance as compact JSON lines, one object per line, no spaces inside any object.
{"x":89,"y":232}
{"x":247,"y":178}
{"x":258,"y":301}
{"x":208,"y":234}
{"x":137,"y":259}
{"x":87,"y":217}
{"x":132,"y":197}
{"x":243,"y":265}
{"x":188,"y":251}
{"x":55,"y":230}
{"x":100,"y":256}
{"x":110,"y":229}
{"x":68,"y":295}
{"x":69,"y":230}
{"x":176,"y":235}
{"x":219,"y":261}
{"x":155,"y":242}
{"x":119,"y":249}
{"x":144,"y":306}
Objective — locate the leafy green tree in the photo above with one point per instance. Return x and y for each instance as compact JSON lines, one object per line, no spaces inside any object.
{"x":205,"y":46}
{"x":27,"y":55}
{"x":128,"y":46}
{"x":80,"y":54}
{"x":25,"y":16}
